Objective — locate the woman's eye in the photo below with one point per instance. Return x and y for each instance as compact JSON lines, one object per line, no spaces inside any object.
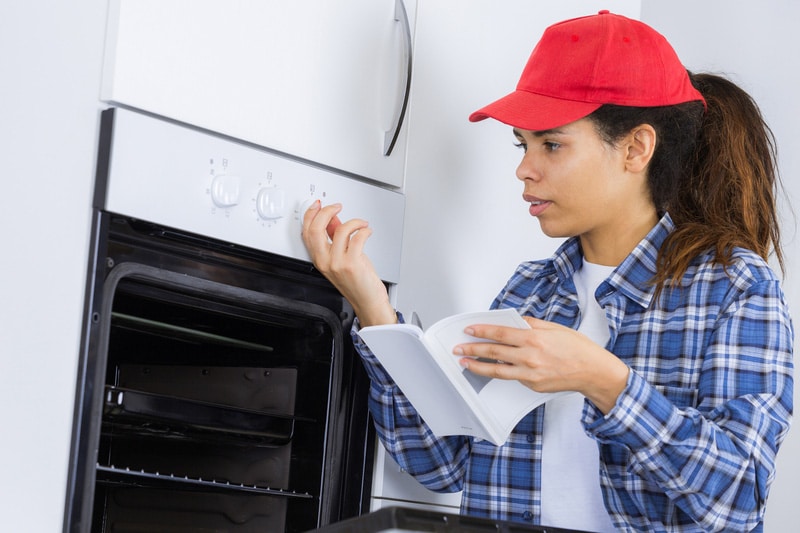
{"x":551,"y":146}
{"x":522,"y":145}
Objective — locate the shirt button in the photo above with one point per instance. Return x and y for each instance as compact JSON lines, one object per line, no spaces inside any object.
{"x":527,"y":515}
{"x":530,"y":437}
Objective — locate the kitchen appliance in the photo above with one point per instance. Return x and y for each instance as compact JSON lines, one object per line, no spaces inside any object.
{"x":217,"y":388}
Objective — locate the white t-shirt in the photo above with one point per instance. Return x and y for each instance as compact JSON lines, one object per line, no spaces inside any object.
{"x":571,"y":496}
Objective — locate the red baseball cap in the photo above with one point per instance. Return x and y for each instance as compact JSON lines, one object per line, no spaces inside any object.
{"x":583,"y":63}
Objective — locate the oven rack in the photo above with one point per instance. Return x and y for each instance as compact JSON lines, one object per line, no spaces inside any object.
{"x":111,"y":474}
{"x":149,"y":413}
{"x":157,"y":327}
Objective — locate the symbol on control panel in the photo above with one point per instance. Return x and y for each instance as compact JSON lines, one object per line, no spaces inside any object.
{"x":225,"y":190}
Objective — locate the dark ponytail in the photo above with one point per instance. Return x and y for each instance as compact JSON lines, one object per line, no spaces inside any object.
{"x":714,"y":172}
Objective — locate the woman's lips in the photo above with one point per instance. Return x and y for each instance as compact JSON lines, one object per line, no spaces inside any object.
{"x":537,"y":206}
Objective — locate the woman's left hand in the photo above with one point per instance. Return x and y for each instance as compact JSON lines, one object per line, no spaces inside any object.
{"x":547,"y":358}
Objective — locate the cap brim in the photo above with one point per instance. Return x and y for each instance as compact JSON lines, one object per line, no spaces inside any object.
{"x":534,"y":112}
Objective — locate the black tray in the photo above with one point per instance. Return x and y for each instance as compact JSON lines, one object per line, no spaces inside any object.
{"x":156,"y":413}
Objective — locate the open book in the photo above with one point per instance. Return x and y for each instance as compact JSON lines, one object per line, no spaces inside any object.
{"x":451,"y":399}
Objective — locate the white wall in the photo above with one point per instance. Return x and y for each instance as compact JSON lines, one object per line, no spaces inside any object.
{"x":50,"y":57}
{"x":756,"y":45}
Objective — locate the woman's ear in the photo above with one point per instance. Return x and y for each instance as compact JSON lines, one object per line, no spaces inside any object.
{"x":641,"y":143}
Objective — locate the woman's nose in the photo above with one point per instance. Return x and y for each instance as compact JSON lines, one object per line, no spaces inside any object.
{"x":527,"y":168}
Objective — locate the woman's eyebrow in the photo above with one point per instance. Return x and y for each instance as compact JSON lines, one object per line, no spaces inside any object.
{"x":540,"y":133}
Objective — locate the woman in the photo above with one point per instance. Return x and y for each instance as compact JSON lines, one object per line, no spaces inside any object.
{"x":659,"y":310}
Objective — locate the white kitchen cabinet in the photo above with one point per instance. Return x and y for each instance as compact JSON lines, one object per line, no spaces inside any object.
{"x":322,"y":80}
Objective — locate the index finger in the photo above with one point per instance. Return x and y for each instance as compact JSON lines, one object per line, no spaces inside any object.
{"x":317,"y":218}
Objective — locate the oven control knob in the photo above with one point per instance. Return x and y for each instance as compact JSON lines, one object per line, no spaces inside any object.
{"x":225,"y":190}
{"x":301,"y":209}
{"x":271,"y":203}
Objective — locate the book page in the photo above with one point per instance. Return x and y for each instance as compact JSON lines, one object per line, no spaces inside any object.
{"x":450,"y":398}
{"x":404,"y":356}
{"x":505,"y":402}
{"x":449,"y":331}
{"x":445,"y":334}
{"x":509,"y":401}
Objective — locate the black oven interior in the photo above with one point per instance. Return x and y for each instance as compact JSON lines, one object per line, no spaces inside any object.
{"x":221,"y":391}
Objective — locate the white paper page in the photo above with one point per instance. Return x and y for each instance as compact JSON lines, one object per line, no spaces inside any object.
{"x":510,"y":400}
{"x":507,"y":400}
{"x":405,"y":358}
{"x":450,"y":331}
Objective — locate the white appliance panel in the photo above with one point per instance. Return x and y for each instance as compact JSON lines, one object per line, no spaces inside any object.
{"x":321,"y":80}
{"x":187,"y":179}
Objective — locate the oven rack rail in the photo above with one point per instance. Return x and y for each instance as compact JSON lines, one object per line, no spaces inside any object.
{"x":141,"y":478}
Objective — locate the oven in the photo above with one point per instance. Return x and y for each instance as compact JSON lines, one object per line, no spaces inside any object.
{"x":218,"y":389}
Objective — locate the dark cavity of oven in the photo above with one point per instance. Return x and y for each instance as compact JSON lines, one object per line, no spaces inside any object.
{"x":219,"y":391}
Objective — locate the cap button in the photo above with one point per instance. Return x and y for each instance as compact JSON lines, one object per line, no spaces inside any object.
{"x":603,"y":12}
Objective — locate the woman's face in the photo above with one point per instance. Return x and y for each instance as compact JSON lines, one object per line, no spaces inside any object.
{"x":579,"y":185}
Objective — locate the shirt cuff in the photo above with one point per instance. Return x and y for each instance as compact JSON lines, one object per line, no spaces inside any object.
{"x":639,"y":419}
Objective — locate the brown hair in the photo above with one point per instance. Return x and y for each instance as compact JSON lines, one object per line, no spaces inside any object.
{"x":715,"y":173}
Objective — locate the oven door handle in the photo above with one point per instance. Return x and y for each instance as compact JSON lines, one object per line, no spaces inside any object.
{"x":390,"y":136}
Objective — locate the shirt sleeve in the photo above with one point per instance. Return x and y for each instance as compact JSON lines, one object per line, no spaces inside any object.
{"x":715,"y":461}
{"x":437,"y":463}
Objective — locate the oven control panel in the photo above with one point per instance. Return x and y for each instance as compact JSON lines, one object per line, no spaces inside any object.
{"x":217,"y":187}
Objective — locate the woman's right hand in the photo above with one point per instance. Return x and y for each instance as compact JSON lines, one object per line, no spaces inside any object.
{"x":337,"y":251}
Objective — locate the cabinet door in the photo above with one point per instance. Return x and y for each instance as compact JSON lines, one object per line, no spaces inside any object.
{"x":322,"y":80}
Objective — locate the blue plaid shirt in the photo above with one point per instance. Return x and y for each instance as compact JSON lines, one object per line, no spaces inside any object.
{"x":690,"y":444}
